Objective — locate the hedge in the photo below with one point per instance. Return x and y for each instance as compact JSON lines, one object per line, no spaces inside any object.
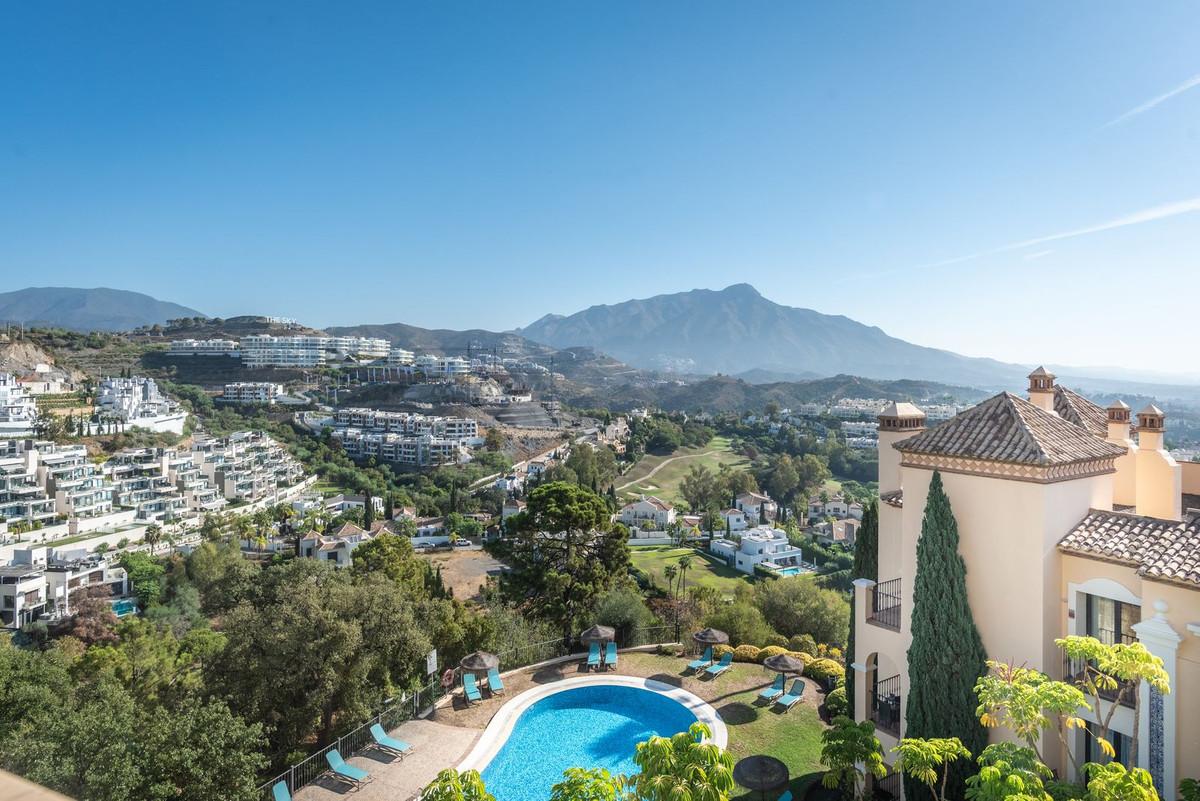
{"x":745,"y":653}
{"x":770,"y":651}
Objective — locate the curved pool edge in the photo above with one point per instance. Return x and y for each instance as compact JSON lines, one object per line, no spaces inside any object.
{"x":502,"y":723}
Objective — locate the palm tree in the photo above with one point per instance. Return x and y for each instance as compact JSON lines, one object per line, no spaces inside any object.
{"x":152,"y":535}
{"x":670,"y":571}
{"x":685,"y":564}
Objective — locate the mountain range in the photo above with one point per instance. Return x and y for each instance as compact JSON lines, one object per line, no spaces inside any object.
{"x":737,"y":331}
{"x":98,"y":309}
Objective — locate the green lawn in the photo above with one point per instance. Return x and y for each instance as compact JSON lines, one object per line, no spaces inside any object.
{"x":643,"y":480}
{"x":793,"y":736}
{"x":704,"y":571}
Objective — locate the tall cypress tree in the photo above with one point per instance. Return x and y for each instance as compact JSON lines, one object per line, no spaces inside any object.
{"x":866,"y":565}
{"x":946,"y":656}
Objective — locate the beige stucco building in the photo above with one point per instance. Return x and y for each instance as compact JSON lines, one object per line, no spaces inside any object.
{"x":1071,"y":521}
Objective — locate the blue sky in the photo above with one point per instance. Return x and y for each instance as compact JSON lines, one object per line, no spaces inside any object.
{"x":913,"y":166}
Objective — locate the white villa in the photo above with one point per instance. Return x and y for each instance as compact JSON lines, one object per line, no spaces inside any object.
{"x":139,"y":404}
{"x":647,"y":512}
{"x":18,"y":410}
{"x":760,"y":545}
{"x":752,"y":502}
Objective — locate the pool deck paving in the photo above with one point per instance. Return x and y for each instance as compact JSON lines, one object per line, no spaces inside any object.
{"x":445,"y":738}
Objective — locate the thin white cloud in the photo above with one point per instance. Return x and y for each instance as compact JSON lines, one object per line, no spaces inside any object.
{"x":1160,"y":212}
{"x":1152,"y":214}
{"x":1190,"y":83}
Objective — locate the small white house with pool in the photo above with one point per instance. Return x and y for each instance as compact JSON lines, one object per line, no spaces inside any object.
{"x":757,"y":545}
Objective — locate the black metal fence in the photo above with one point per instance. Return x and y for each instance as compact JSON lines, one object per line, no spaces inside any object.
{"x":885,"y":604}
{"x":885,"y":705}
{"x":888,"y":788}
{"x":415,"y":703}
{"x":395,"y":712}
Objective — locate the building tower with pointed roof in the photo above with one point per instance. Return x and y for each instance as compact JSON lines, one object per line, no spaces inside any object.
{"x":1041,"y":389}
{"x":897,"y":421}
{"x":1043,"y":493}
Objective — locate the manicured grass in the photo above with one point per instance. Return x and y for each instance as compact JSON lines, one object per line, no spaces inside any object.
{"x":642,"y":480}
{"x":793,"y":736}
{"x":704,"y":571}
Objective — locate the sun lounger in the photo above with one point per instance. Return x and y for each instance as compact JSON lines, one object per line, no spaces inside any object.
{"x":344,"y":770}
{"x":793,"y":695}
{"x":704,"y":661}
{"x":470,"y":688}
{"x":774,"y":691}
{"x":722,"y":666}
{"x":610,"y":655}
{"x":495,"y":683}
{"x":387,"y":742}
{"x":594,"y":656}
{"x":279,"y":792}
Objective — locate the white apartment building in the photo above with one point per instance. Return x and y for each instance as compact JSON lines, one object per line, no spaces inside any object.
{"x":421,"y":450}
{"x":399,"y":357}
{"x":860,"y":428}
{"x":251,"y":392}
{"x":22,"y":497}
{"x":851,"y":408}
{"x":22,"y":595}
{"x":247,"y":465}
{"x":67,"y":475}
{"x":18,"y":410}
{"x":442,"y":366}
{"x":408,"y":423}
{"x":141,"y":480}
{"x":205,"y":347}
{"x":264,"y":350}
{"x":138,"y":402}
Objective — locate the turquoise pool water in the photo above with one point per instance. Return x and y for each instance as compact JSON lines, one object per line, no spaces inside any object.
{"x":590,"y":727}
{"x":793,"y":571}
{"x":125,"y":606}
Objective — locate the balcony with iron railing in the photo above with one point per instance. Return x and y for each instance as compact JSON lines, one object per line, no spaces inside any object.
{"x":885,"y":605}
{"x":1075,"y":671}
{"x":884,"y":711}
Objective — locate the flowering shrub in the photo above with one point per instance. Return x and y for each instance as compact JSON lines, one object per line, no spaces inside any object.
{"x":745,"y":653}
{"x":835,"y":702}
{"x":824,"y":670}
{"x":770,"y":651}
{"x":720,"y":651}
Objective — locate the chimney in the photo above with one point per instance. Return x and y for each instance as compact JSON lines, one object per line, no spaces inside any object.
{"x":897,"y":421}
{"x":1041,"y":389}
{"x":1125,"y":480}
{"x":1159,"y":479}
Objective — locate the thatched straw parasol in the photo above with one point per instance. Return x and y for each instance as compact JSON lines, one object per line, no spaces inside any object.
{"x":479,"y":662}
{"x":784,"y":663}
{"x":598,"y":634}
{"x":710,"y":637}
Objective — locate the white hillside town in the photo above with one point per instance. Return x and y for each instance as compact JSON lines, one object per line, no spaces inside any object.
{"x":137,"y":402}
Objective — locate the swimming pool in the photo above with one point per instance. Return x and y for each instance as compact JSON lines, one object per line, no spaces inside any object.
{"x":123,"y":607}
{"x":793,"y":571}
{"x":592,"y":724}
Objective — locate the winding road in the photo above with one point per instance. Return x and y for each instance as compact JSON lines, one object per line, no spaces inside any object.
{"x":660,"y":466}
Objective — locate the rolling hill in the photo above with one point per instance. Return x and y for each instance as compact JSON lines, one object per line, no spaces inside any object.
{"x":736,"y":330}
{"x":98,"y":309}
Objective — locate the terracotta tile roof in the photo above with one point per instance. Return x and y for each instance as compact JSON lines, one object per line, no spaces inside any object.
{"x":1074,"y":408}
{"x":895,"y":409}
{"x":893,"y":498}
{"x":1166,"y":550}
{"x":1007,"y":428}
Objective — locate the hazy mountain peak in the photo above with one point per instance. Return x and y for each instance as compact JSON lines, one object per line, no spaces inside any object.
{"x":97,"y":309}
{"x":736,"y":329}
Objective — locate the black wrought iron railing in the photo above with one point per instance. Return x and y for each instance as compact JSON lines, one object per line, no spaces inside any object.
{"x":885,"y":705}
{"x":1076,"y":671}
{"x":885,"y":604}
{"x":888,"y":788}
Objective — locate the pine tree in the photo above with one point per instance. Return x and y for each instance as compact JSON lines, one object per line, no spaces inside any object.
{"x":866,"y":565}
{"x":946,"y":656}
